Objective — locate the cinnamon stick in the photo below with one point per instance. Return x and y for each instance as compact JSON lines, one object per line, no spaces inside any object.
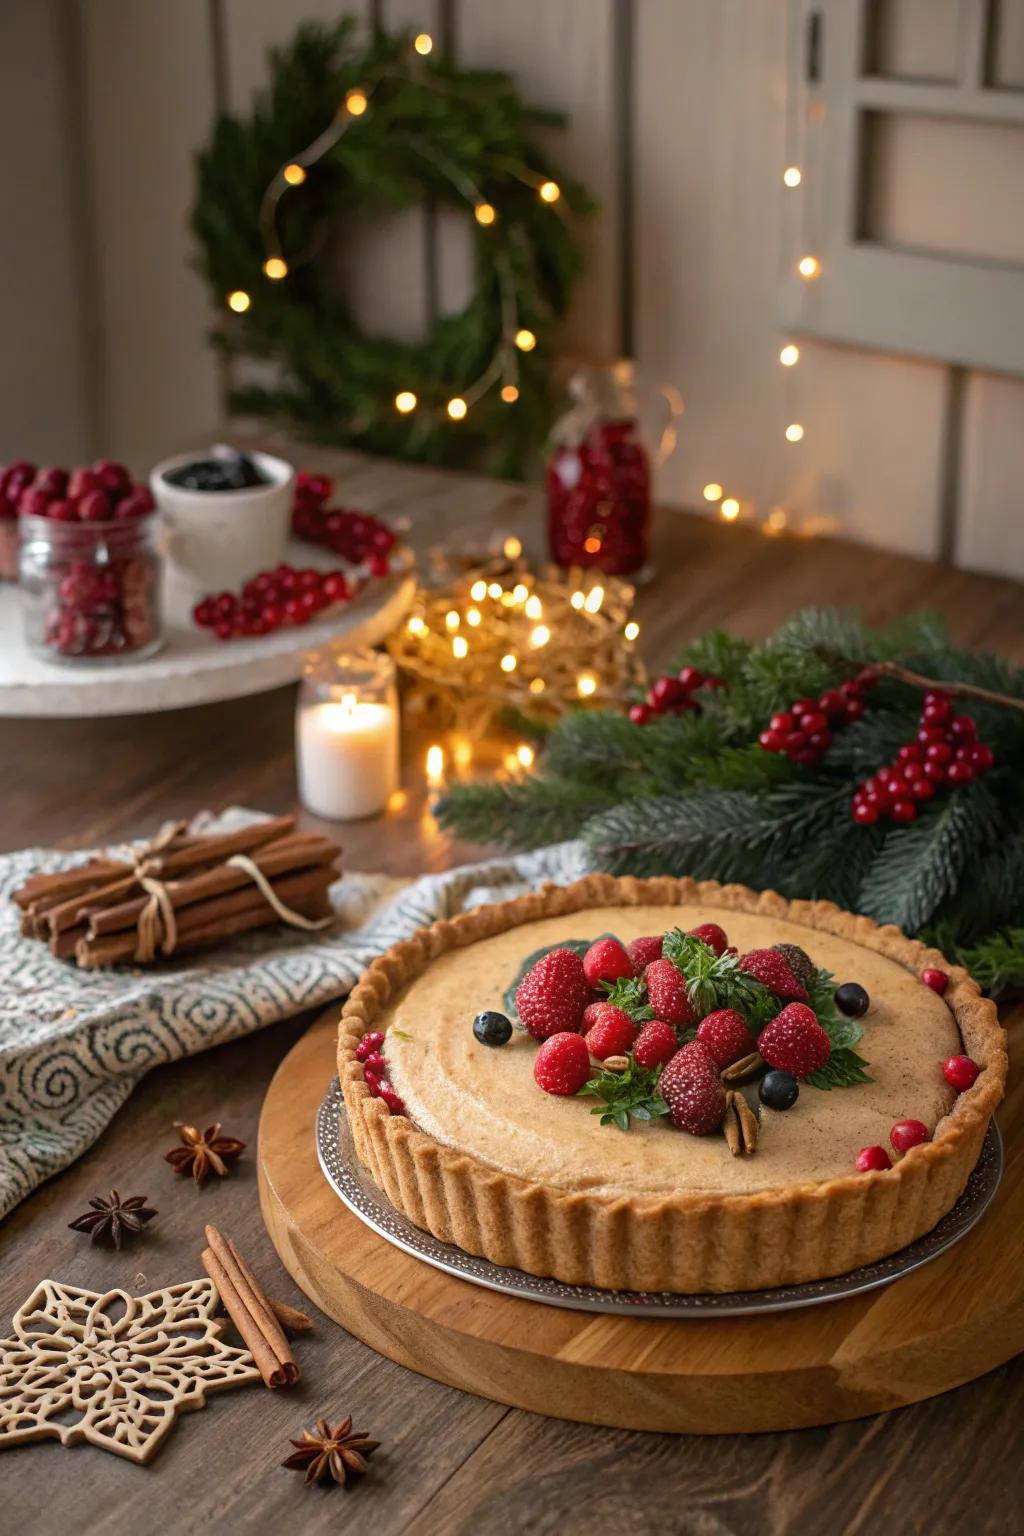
{"x":249,"y":1310}
{"x":290,"y":1318}
{"x":210,"y":850}
{"x":68,"y":913}
{"x":209,"y":922}
{"x":49,"y":889}
{"x":286,"y":856}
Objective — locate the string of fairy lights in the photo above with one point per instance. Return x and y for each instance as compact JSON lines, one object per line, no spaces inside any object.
{"x":293,"y":174}
{"x":808,"y":269}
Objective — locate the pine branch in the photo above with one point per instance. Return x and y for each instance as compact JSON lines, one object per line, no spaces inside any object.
{"x":540,"y":810}
{"x":920,"y":864}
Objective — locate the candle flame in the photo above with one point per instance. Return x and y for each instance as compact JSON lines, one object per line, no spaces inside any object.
{"x":435,"y":765}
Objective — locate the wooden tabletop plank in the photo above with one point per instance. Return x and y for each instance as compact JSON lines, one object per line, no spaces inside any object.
{"x":449,"y":1462}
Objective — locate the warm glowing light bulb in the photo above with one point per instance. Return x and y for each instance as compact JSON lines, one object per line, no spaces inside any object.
{"x":495,"y":590}
{"x":789,"y":356}
{"x":416,"y":625}
{"x":239,"y":301}
{"x":294,"y":175}
{"x":525,"y":340}
{"x":592,"y":544}
{"x":452,"y":620}
{"x":794,"y":432}
{"x":435,"y":765}
{"x":405,"y":401}
{"x":397,"y":801}
{"x":534,"y":607}
{"x":730,"y":509}
{"x":792,"y":176}
{"x":549,"y":191}
{"x":520,"y":592}
{"x":578,"y":599}
{"x":712,"y":491}
{"x":777,"y":519}
{"x":423,"y":43}
{"x":537,"y":685}
{"x":507,"y":600}
{"x":509,"y":662}
{"x":808,"y":267}
{"x":509,"y":393}
{"x":478,"y":591}
{"x":525,"y":754}
{"x":457,"y":408}
{"x":485,"y":213}
{"x":462,"y":752}
{"x":473,"y":617}
{"x":631,"y":630}
{"x":540,"y":636}
{"x":275,"y":268}
{"x":512,"y":547}
{"x":586,"y":684}
{"x":460,"y":646}
{"x":594,"y":599}
{"x":356,"y":103}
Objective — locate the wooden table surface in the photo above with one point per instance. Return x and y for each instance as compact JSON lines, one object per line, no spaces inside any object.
{"x":449,"y":1462}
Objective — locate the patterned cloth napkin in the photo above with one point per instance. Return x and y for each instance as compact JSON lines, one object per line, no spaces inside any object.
{"x":73,"y":1044}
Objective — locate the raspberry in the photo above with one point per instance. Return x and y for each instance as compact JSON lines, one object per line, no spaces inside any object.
{"x":552,"y":995}
{"x":692,"y":1090}
{"x":937,"y":980}
{"x":562,"y":1065}
{"x":666,"y":992}
{"x":873,"y":1160}
{"x":909,"y":1133}
{"x":774,"y":972}
{"x":655,"y":1044}
{"x":606,"y":960}
{"x":643,"y":951}
{"x":713,"y":936}
{"x":725,"y":1036}
{"x":795,"y":1042}
{"x":961,"y":1073}
{"x":371,"y":1041}
{"x":611,"y":1031}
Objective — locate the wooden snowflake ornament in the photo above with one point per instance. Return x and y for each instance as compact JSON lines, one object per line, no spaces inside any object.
{"x":113,"y":1369}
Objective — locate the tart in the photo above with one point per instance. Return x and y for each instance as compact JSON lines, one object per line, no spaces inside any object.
{"x":469,"y":1147}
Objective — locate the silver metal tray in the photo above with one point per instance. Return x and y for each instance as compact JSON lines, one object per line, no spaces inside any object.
{"x":357,"y":1190}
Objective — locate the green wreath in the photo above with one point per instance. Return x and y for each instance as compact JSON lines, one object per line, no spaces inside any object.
{"x":346,"y":129}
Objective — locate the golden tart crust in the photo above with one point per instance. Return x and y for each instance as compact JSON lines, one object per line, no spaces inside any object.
{"x":687,"y":1241}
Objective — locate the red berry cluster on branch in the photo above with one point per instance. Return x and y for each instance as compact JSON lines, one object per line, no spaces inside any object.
{"x":674,"y":695}
{"x":354,"y":536}
{"x":946,"y":751}
{"x":272,"y":600}
{"x":804,"y":732}
{"x":102,"y":493}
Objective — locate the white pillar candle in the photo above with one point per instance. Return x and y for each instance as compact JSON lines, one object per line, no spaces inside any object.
{"x":347,"y":757}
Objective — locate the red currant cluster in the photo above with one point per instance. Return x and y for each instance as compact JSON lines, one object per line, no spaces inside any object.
{"x":804,"y":732}
{"x":352,"y":535}
{"x":599,"y":500}
{"x":83,"y":495}
{"x":375,"y":1071}
{"x":271,"y":600}
{"x":674,"y":695}
{"x":946,"y":751}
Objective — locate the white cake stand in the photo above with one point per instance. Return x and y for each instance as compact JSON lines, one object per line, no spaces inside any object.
{"x":193,"y":667}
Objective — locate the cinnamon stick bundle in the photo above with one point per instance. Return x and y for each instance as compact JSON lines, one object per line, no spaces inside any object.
{"x":250,"y":1311}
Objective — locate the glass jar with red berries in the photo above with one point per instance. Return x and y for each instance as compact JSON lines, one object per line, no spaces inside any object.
{"x":598,"y":475}
{"x":90,"y":591}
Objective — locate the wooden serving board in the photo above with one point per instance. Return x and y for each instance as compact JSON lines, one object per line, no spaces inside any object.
{"x":944,"y":1324}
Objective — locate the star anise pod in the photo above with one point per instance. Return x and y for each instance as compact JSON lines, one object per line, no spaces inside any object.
{"x":204,"y":1152}
{"x":114,"y":1218}
{"x":325,"y":1453}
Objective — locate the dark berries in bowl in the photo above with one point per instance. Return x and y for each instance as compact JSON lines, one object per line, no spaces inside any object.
{"x":778,"y":1090}
{"x":852,"y":1000}
{"x":492,"y":1028}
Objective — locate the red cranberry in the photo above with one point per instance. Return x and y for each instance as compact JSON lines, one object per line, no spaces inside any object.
{"x":929,"y":735}
{"x":865,"y":813}
{"x":908,"y":1133}
{"x":911,"y":753}
{"x":392,"y":1098}
{"x":335,"y":586}
{"x":784,"y":722}
{"x":903,"y":811}
{"x":665,"y":691}
{"x":935,"y":771}
{"x":982,"y":757}
{"x":691,"y":677}
{"x":936,"y":713}
{"x":939,"y":752}
{"x":375,"y":1062}
{"x":854,"y":710}
{"x":294,"y":611}
{"x":813,"y":721}
{"x":225,"y":604}
{"x":960,"y":773}
{"x":961,"y":1073}
{"x":224,"y":629}
{"x":963,"y":728}
{"x":920,"y":789}
{"x":873,"y":1159}
{"x":34,"y":503}
{"x":53,"y":482}
{"x":94,"y":507}
{"x":112,"y":476}
{"x":936,"y":979}
{"x":371,"y":1041}
{"x":832,"y":702}
{"x":772,"y":741}
{"x":804,"y":707}
{"x":136,"y":504}
{"x":63,"y":511}
{"x":272,"y":615}
{"x":204,"y":613}
{"x":380,"y":565}
{"x":794,"y":742}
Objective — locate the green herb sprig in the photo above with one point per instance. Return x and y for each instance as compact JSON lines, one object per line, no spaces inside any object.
{"x":626,"y":1096}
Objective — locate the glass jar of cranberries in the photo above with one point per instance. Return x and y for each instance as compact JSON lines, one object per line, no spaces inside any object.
{"x":90,"y":591}
{"x":599,"y":471}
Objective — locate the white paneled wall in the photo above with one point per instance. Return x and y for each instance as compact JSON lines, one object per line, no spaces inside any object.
{"x":104,"y":323}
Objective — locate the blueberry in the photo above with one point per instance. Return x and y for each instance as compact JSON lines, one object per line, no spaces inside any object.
{"x":492,"y":1029}
{"x":852,"y":1000}
{"x":779,"y":1090}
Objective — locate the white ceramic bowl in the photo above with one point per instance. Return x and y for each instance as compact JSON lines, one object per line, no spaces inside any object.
{"x":218,"y":539}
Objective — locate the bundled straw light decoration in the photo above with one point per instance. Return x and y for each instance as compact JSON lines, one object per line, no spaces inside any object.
{"x":503,"y":638}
